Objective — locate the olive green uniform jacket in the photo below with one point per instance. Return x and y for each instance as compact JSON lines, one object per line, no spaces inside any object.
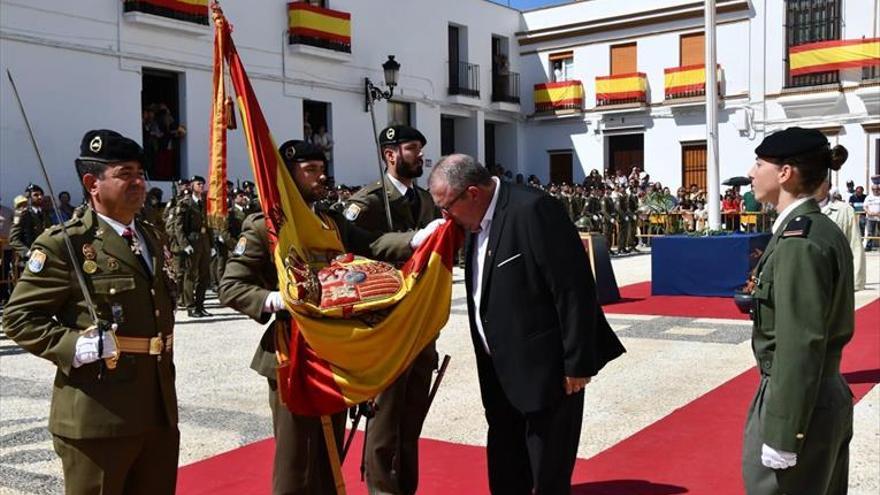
{"x":27,"y":225}
{"x":47,"y":311}
{"x":804,"y":316}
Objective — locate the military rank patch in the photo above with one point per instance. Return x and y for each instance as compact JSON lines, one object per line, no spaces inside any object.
{"x":240,"y":246}
{"x":36,"y":261}
{"x":799,"y":227}
{"x":351,"y":213}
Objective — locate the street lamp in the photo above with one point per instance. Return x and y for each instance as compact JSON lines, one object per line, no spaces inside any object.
{"x":372,"y":94}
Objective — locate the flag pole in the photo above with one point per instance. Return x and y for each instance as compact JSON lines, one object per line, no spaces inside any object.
{"x":713,"y":188}
{"x":333,"y":454}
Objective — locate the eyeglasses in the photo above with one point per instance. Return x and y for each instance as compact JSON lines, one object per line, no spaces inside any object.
{"x":445,"y":209}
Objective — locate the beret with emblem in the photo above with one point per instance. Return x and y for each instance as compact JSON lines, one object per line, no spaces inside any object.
{"x":397,"y":134}
{"x":295,"y":151}
{"x":106,"y":146}
{"x":198,"y":178}
{"x":33,"y":188}
{"x":793,"y":141}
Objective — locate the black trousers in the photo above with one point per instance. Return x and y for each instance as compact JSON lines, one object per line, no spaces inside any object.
{"x":530,"y":452}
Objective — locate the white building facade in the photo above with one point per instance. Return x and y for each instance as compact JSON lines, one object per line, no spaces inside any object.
{"x":472,"y":73}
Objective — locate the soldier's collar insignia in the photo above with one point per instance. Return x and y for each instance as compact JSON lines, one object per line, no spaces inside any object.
{"x":36,"y":261}
{"x":99,"y":232}
{"x":799,"y":227}
{"x":240,"y":246}
{"x":96,"y":144}
{"x":389,"y":134}
{"x":290,"y":152}
{"x":351,"y":213}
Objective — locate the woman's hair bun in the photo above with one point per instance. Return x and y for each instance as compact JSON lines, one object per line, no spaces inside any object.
{"x":838,"y":157}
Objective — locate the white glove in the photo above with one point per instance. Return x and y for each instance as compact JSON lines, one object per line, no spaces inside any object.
{"x":777,"y":459}
{"x":87,"y":346}
{"x":274,"y":303}
{"x":213,"y":252}
{"x":188,"y":250}
{"x":422,"y":234}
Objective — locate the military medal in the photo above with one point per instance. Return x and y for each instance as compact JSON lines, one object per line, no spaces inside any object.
{"x":89,"y":252}
{"x":90,"y":266}
{"x":118,"y":315}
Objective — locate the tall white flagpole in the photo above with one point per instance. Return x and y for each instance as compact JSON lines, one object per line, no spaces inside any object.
{"x":712,"y":173}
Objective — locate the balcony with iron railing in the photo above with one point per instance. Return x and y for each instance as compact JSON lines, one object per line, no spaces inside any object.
{"x":687,"y":82}
{"x":505,"y":87}
{"x":559,"y":97}
{"x":622,"y":89}
{"x":319,"y":27}
{"x":464,"y":79}
{"x":194,"y":11}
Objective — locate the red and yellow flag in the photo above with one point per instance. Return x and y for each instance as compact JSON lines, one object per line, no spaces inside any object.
{"x":318,"y":26}
{"x":329,"y":363}
{"x":833,"y":55}
{"x":621,"y":88}
{"x":184,"y":10}
{"x":217,"y":206}
{"x":563,"y":95}
{"x":689,"y":80}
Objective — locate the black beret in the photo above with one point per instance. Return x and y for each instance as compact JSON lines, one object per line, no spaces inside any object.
{"x":182,"y":181}
{"x":793,"y":141}
{"x":295,"y":151}
{"x":237,"y":191}
{"x":106,"y":146}
{"x":198,"y":178}
{"x":247,"y":183}
{"x":397,"y":134}
{"x":33,"y":187}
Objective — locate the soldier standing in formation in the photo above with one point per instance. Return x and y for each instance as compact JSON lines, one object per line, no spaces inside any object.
{"x":801,"y":420}
{"x":113,"y":416}
{"x":250,"y":285}
{"x":30,"y":223}
{"x":194,"y":240}
{"x":392,"y":444}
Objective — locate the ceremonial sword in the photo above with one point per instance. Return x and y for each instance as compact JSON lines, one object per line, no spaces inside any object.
{"x":108,"y":362}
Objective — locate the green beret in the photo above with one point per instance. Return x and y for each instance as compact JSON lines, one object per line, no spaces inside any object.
{"x":397,"y":134}
{"x":793,"y":141}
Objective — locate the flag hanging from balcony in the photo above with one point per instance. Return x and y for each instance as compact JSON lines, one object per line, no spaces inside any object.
{"x":320,"y":27}
{"x":564,"y":95}
{"x":335,"y":355}
{"x":183,"y":10}
{"x":826,"y":56}
{"x":621,"y":88}
{"x":689,"y":80}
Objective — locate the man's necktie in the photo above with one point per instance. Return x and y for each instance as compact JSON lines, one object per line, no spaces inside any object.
{"x":413,"y":200}
{"x":134,"y":244}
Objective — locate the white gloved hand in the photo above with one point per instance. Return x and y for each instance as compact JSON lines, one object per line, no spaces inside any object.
{"x":422,"y":234}
{"x":213,"y":252}
{"x":274,"y":303}
{"x":188,"y":250}
{"x":777,"y":459}
{"x":87,"y":346}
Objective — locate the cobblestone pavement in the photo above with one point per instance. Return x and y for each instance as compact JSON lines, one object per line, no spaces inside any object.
{"x":223,"y":404}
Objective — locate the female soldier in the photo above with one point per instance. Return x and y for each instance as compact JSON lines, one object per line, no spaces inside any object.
{"x":800,"y":422}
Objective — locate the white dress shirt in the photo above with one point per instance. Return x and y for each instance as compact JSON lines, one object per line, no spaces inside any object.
{"x":479,"y":261}
{"x":119,"y":228}
{"x":397,"y":184}
{"x":784,"y":213}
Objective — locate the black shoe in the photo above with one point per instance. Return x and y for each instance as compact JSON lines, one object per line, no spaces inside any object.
{"x":204,"y":313}
{"x":193,"y":313}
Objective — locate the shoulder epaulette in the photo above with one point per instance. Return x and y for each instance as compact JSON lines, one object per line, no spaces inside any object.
{"x":799,"y":227}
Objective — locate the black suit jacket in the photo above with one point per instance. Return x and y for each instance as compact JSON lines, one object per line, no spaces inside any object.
{"x":538,"y":301}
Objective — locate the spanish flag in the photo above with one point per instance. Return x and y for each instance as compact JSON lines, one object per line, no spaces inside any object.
{"x":330,"y":361}
{"x":622,"y":87}
{"x":564,"y":95}
{"x":184,"y":10}
{"x":318,"y":26}
{"x":826,"y":56}
{"x":217,"y":207}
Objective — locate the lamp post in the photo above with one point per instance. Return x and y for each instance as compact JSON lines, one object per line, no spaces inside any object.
{"x":372,"y":94}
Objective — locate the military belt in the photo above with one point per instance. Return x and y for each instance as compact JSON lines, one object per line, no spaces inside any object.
{"x":153,"y":346}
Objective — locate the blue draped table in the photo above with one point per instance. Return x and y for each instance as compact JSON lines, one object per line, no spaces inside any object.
{"x":703,"y":266}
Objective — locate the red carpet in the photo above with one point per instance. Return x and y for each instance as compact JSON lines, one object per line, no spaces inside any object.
{"x":696,"y":449}
{"x":636,"y":299}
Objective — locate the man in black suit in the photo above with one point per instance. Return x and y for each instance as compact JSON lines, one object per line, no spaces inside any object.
{"x":538,"y":331}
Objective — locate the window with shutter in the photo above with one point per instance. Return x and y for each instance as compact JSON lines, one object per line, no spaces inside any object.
{"x":623,"y":59}
{"x":692,"y":48}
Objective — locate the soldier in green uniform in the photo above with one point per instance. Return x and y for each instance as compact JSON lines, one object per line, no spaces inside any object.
{"x":609,"y":215}
{"x":113,"y":416}
{"x":194,"y":238}
{"x":800,"y":422}
{"x":250,"y":190}
{"x":30,"y":223}
{"x":392,"y":443}
{"x":250,"y":285}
